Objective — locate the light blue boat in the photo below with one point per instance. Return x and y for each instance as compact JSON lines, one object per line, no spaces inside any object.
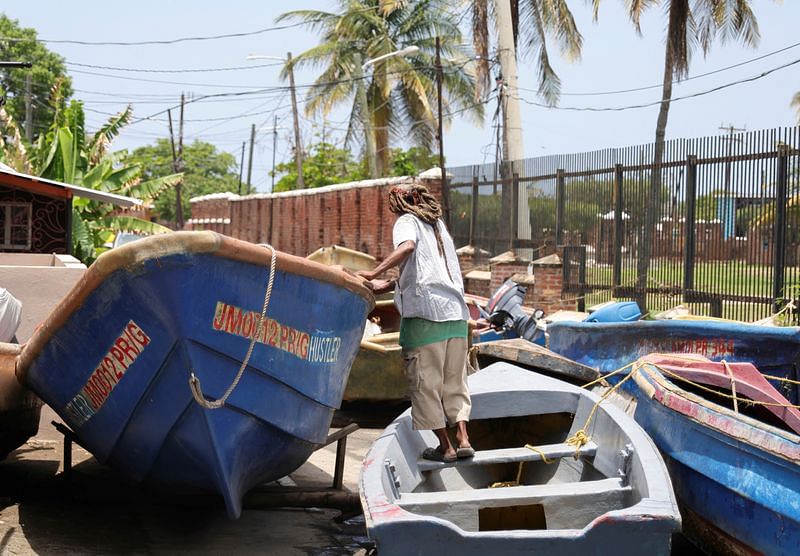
{"x":163,"y":364}
{"x":610,"y":346}
{"x":735,"y":469}
{"x":608,"y":493}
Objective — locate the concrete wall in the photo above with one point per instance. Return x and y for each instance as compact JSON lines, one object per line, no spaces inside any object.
{"x":39,"y":282}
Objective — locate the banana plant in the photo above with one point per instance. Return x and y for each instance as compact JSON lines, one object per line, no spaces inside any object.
{"x":66,"y":153}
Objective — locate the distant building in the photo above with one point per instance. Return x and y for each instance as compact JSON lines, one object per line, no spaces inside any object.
{"x":36,"y":213}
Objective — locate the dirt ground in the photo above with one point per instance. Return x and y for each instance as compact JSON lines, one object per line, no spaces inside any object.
{"x":95,"y":512}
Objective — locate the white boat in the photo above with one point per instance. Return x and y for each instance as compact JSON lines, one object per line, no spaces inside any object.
{"x":549,"y":476}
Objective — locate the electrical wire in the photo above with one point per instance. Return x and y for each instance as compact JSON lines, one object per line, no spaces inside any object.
{"x":199,"y":70}
{"x":677,"y":81}
{"x":658,"y":102}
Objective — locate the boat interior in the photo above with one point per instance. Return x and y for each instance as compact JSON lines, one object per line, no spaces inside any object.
{"x":507,"y":486}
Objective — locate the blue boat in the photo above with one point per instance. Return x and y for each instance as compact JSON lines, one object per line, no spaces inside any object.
{"x":199,"y":363}
{"x":556,"y":471}
{"x":735,"y":468}
{"x":610,"y":346}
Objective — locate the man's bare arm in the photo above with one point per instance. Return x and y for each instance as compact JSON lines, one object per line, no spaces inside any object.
{"x":395,"y":258}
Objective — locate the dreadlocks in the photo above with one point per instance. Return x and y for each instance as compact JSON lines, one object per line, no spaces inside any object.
{"x":417,"y":200}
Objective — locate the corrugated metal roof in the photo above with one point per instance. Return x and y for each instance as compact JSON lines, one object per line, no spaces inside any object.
{"x":86,"y":193}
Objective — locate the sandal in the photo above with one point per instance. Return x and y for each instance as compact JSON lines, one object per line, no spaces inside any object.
{"x":466,"y":452}
{"x":435,"y":454}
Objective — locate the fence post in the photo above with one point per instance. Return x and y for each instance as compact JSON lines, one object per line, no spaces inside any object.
{"x":514,"y":232}
{"x":560,"y":184}
{"x":779,"y":227}
{"x":473,"y":215}
{"x":618,"y":232}
{"x":689,"y":246}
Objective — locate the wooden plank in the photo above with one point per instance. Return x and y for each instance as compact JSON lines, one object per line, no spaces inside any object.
{"x":528,"y":494}
{"x":512,"y":455}
{"x":533,"y":356}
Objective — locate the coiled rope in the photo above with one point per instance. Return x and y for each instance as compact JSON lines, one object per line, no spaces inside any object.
{"x":194,"y":382}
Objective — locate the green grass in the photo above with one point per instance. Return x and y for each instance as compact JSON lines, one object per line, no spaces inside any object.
{"x":731,"y":278}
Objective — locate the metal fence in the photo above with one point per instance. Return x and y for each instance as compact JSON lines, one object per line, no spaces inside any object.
{"x":724,"y":222}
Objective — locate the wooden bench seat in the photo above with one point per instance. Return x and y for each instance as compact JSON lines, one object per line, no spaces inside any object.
{"x":565,"y":505}
{"x":512,"y":455}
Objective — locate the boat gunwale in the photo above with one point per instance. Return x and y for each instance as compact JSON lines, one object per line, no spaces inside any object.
{"x":176,"y":243}
{"x":659,"y":388}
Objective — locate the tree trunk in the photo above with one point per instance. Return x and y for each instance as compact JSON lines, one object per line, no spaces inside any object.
{"x":645,"y":249}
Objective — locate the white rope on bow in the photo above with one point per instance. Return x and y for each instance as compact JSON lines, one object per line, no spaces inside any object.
{"x":194,"y":382}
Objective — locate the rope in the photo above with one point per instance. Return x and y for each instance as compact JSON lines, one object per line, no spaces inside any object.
{"x":579,"y":439}
{"x":781,"y":379}
{"x":540,"y":452}
{"x":733,"y":385}
{"x":194,"y":382}
{"x":746,"y":401}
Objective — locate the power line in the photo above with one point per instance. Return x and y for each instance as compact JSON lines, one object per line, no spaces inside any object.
{"x":198,"y":70}
{"x":158,"y":42}
{"x":657,"y":102}
{"x":677,"y":81}
{"x":178,"y":40}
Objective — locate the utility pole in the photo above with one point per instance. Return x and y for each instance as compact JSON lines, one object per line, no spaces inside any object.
{"x":298,"y":144}
{"x":729,"y":215}
{"x":512,"y":123}
{"x":274,"y":148}
{"x":181,"y":166}
{"x":177,"y":163}
{"x":366,"y":118}
{"x":250,"y":157}
{"x":440,"y":136}
{"x":28,"y":109}
{"x":241,"y":168}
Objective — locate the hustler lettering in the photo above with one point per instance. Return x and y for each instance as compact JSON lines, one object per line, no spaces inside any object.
{"x":241,"y":322}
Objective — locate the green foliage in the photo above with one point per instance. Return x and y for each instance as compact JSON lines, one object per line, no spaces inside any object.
{"x":48,"y":68}
{"x":205,"y":171}
{"x":401,"y":90}
{"x":66,"y":154}
{"x":326,"y":164}
{"x":413,"y":161}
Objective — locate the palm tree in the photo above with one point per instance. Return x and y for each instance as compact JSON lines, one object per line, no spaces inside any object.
{"x":400,"y":90}
{"x":688,"y":25}
{"x":68,"y":154}
{"x":796,"y":104}
{"x":533,"y":22}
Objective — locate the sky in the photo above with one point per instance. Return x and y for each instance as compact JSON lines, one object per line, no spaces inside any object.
{"x":587,"y":118}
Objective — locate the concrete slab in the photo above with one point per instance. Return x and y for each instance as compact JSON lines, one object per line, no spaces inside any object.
{"x":96,"y":512}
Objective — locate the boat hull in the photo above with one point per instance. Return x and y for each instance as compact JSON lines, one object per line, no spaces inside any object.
{"x":737,"y":479}
{"x":413,"y":506}
{"x":610,"y":346}
{"x":20,"y":409}
{"x":119,"y":355}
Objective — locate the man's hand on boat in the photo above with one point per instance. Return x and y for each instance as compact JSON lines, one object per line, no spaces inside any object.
{"x":376,"y":285}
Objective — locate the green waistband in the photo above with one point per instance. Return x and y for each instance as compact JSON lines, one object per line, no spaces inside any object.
{"x":416,"y":332}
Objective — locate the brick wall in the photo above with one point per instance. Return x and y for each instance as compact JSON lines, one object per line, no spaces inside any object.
{"x":357,"y":215}
{"x":354,"y":215}
{"x":548,"y":280}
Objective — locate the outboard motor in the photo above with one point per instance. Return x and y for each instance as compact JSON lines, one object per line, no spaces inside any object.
{"x":505,"y":311}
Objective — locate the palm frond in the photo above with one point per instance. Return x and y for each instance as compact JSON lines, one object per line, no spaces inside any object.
{"x":14,"y":151}
{"x":796,"y":104}
{"x":149,"y":190}
{"x":82,"y":241}
{"x":127,"y":223}
{"x":101,"y":140}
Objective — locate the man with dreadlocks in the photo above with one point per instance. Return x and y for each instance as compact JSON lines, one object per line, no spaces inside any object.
{"x":433,"y":329}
